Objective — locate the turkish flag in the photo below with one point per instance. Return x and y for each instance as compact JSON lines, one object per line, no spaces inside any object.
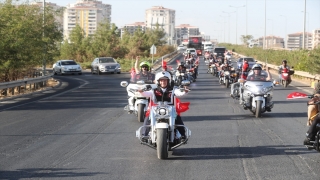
{"x":296,"y":95}
{"x":164,"y":64}
{"x":181,"y":106}
{"x":133,"y":73}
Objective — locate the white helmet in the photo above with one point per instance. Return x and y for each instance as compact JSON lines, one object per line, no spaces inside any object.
{"x":257,"y":67}
{"x":163,"y":75}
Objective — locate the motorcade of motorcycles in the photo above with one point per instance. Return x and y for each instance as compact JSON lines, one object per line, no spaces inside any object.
{"x":224,"y":75}
{"x":259,"y":95}
{"x":159,"y":130}
{"x":140,"y":102}
{"x":286,"y":76}
{"x":209,"y":63}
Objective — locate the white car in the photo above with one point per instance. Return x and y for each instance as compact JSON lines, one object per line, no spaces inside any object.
{"x":66,"y":67}
{"x":181,"y":47}
{"x":193,"y":51}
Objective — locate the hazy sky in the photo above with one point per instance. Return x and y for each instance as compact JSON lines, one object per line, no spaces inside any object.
{"x":206,"y":14}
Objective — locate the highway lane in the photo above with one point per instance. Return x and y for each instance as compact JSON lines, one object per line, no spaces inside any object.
{"x":85,"y":134}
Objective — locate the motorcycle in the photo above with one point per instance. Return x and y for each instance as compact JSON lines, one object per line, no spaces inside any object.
{"x":140,"y":102}
{"x":179,"y":77}
{"x":159,"y":132}
{"x":259,"y":94}
{"x":224,"y":77}
{"x":286,"y":77}
{"x":210,"y":65}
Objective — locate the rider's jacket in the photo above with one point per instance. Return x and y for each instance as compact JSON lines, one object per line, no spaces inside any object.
{"x":260,"y":77}
{"x":163,"y":94}
{"x":281,"y":67}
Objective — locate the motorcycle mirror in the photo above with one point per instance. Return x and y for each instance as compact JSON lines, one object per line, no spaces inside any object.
{"x":123,"y":83}
{"x":292,"y":67}
{"x":310,"y":96}
{"x":185,"y":83}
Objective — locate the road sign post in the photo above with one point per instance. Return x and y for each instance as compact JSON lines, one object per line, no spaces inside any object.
{"x":153,"y":50}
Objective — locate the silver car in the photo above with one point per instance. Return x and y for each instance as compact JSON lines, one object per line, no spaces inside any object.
{"x":66,"y":67}
{"x":250,"y":60}
{"x":105,"y":65}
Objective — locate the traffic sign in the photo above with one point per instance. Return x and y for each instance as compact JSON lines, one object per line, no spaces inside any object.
{"x":153,"y":49}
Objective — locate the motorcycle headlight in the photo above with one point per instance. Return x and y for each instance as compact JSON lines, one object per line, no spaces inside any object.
{"x":227,"y":73}
{"x":162,"y":111}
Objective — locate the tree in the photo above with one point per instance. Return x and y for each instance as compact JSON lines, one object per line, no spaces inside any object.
{"x":246,"y":38}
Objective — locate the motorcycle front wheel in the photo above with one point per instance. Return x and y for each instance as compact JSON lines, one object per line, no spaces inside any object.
{"x":162,"y":146}
{"x":285,"y":83}
{"x":227,"y":83}
{"x":141,"y":114}
{"x":258,"y":108}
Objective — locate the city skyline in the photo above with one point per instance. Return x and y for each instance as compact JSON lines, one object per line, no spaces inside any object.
{"x":212,"y":16}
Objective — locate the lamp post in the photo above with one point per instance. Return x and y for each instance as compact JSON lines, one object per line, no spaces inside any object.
{"x":43,"y":34}
{"x":237,"y":7}
{"x":272,"y":30}
{"x":285,"y":30}
{"x":307,"y":14}
{"x":228,"y":23}
{"x":224,"y":28}
{"x":304,"y":26}
{"x":265,"y":24}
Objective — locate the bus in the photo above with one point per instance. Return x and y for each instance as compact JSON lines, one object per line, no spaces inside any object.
{"x":196,"y":42}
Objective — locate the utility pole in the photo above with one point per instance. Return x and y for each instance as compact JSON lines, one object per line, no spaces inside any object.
{"x":237,"y":20}
{"x":228,"y":23}
{"x":43,"y":34}
{"x":304,"y":26}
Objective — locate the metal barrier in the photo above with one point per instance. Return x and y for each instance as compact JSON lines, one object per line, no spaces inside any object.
{"x":33,"y":83}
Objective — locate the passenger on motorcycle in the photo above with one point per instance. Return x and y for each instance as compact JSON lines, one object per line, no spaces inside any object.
{"x":141,"y":74}
{"x":281,"y":67}
{"x":243,"y":75}
{"x":312,"y":131}
{"x":164,"y":92}
{"x":257,"y":74}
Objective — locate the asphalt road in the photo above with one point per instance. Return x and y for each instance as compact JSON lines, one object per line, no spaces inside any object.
{"x":84,"y":133}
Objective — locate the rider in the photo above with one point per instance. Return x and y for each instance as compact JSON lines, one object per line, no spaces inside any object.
{"x":313,"y":108}
{"x":164,"y":92}
{"x":140,"y":74}
{"x":257,"y":74}
{"x":312,"y":131}
{"x":283,"y":66}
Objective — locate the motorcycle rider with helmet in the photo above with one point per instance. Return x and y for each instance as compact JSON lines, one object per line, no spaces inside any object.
{"x":283,"y":66}
{"x":257,"y":74}
{"x":164,"y":92}
{"x":144,"y":73}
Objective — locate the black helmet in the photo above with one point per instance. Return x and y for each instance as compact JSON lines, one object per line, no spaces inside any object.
{"x":284,"y":61}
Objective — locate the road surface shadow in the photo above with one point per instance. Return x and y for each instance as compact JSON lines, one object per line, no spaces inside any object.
{"x":236,"y":152}
{"x":45,"y":173}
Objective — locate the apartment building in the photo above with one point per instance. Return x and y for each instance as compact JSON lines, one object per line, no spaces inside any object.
{"x":183,"y":31}
{"x":294,"y":41}
{"x":86,"y":13}
{"x":164,"y":18}
{"x":271,"y":42}
{"x":131,"y":28}
{"x":315,"y":38}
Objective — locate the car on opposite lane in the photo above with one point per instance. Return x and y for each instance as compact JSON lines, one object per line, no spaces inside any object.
{"x":66,"y":67}
{"x":102,"y":65}
{"x":251,"y":62}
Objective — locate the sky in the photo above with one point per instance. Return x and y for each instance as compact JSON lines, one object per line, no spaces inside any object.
{"x":212,"y":16}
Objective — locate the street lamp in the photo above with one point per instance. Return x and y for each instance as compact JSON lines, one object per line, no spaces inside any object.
{"x":224,"y":27}
{"x":228,"y":23}
{"x":304,"y":25}
{"x":272,"y":31}
{"x":307,"y":27}
{"x":265,"y":24}
{"x":285,"y":30}
{"x":237,"y":20}
{"x":224,"y":35}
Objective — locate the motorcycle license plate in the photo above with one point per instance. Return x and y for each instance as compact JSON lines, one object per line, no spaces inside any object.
{"x":285,"y":74}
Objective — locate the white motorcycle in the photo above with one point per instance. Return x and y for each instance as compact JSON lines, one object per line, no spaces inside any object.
{"x":259,"y":95}
{"x":140,"y":102}
{"x":160,"y":131}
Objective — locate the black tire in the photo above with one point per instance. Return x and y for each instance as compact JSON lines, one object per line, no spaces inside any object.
{"x":227,"y":83}
{"x":98,"y":71}
{"x":112,"y":72}
{"x":54,"y":72}
{"x":141,"y":114}
{"x":118,"y":72}
{"x":80,"y":73}
{"x":258,"y":109}
{"x":61,"y":73}
{"x":285,"y":83}
{"x":162,"y":146}
{"x":92,"y":72}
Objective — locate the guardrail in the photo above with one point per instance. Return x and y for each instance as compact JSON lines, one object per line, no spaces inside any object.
{"x":156,"y":64}
{"x":33,"y":83}
{"x":301,"y":74}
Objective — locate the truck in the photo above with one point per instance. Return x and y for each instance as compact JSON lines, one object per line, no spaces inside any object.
{"x":195,"y":42}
